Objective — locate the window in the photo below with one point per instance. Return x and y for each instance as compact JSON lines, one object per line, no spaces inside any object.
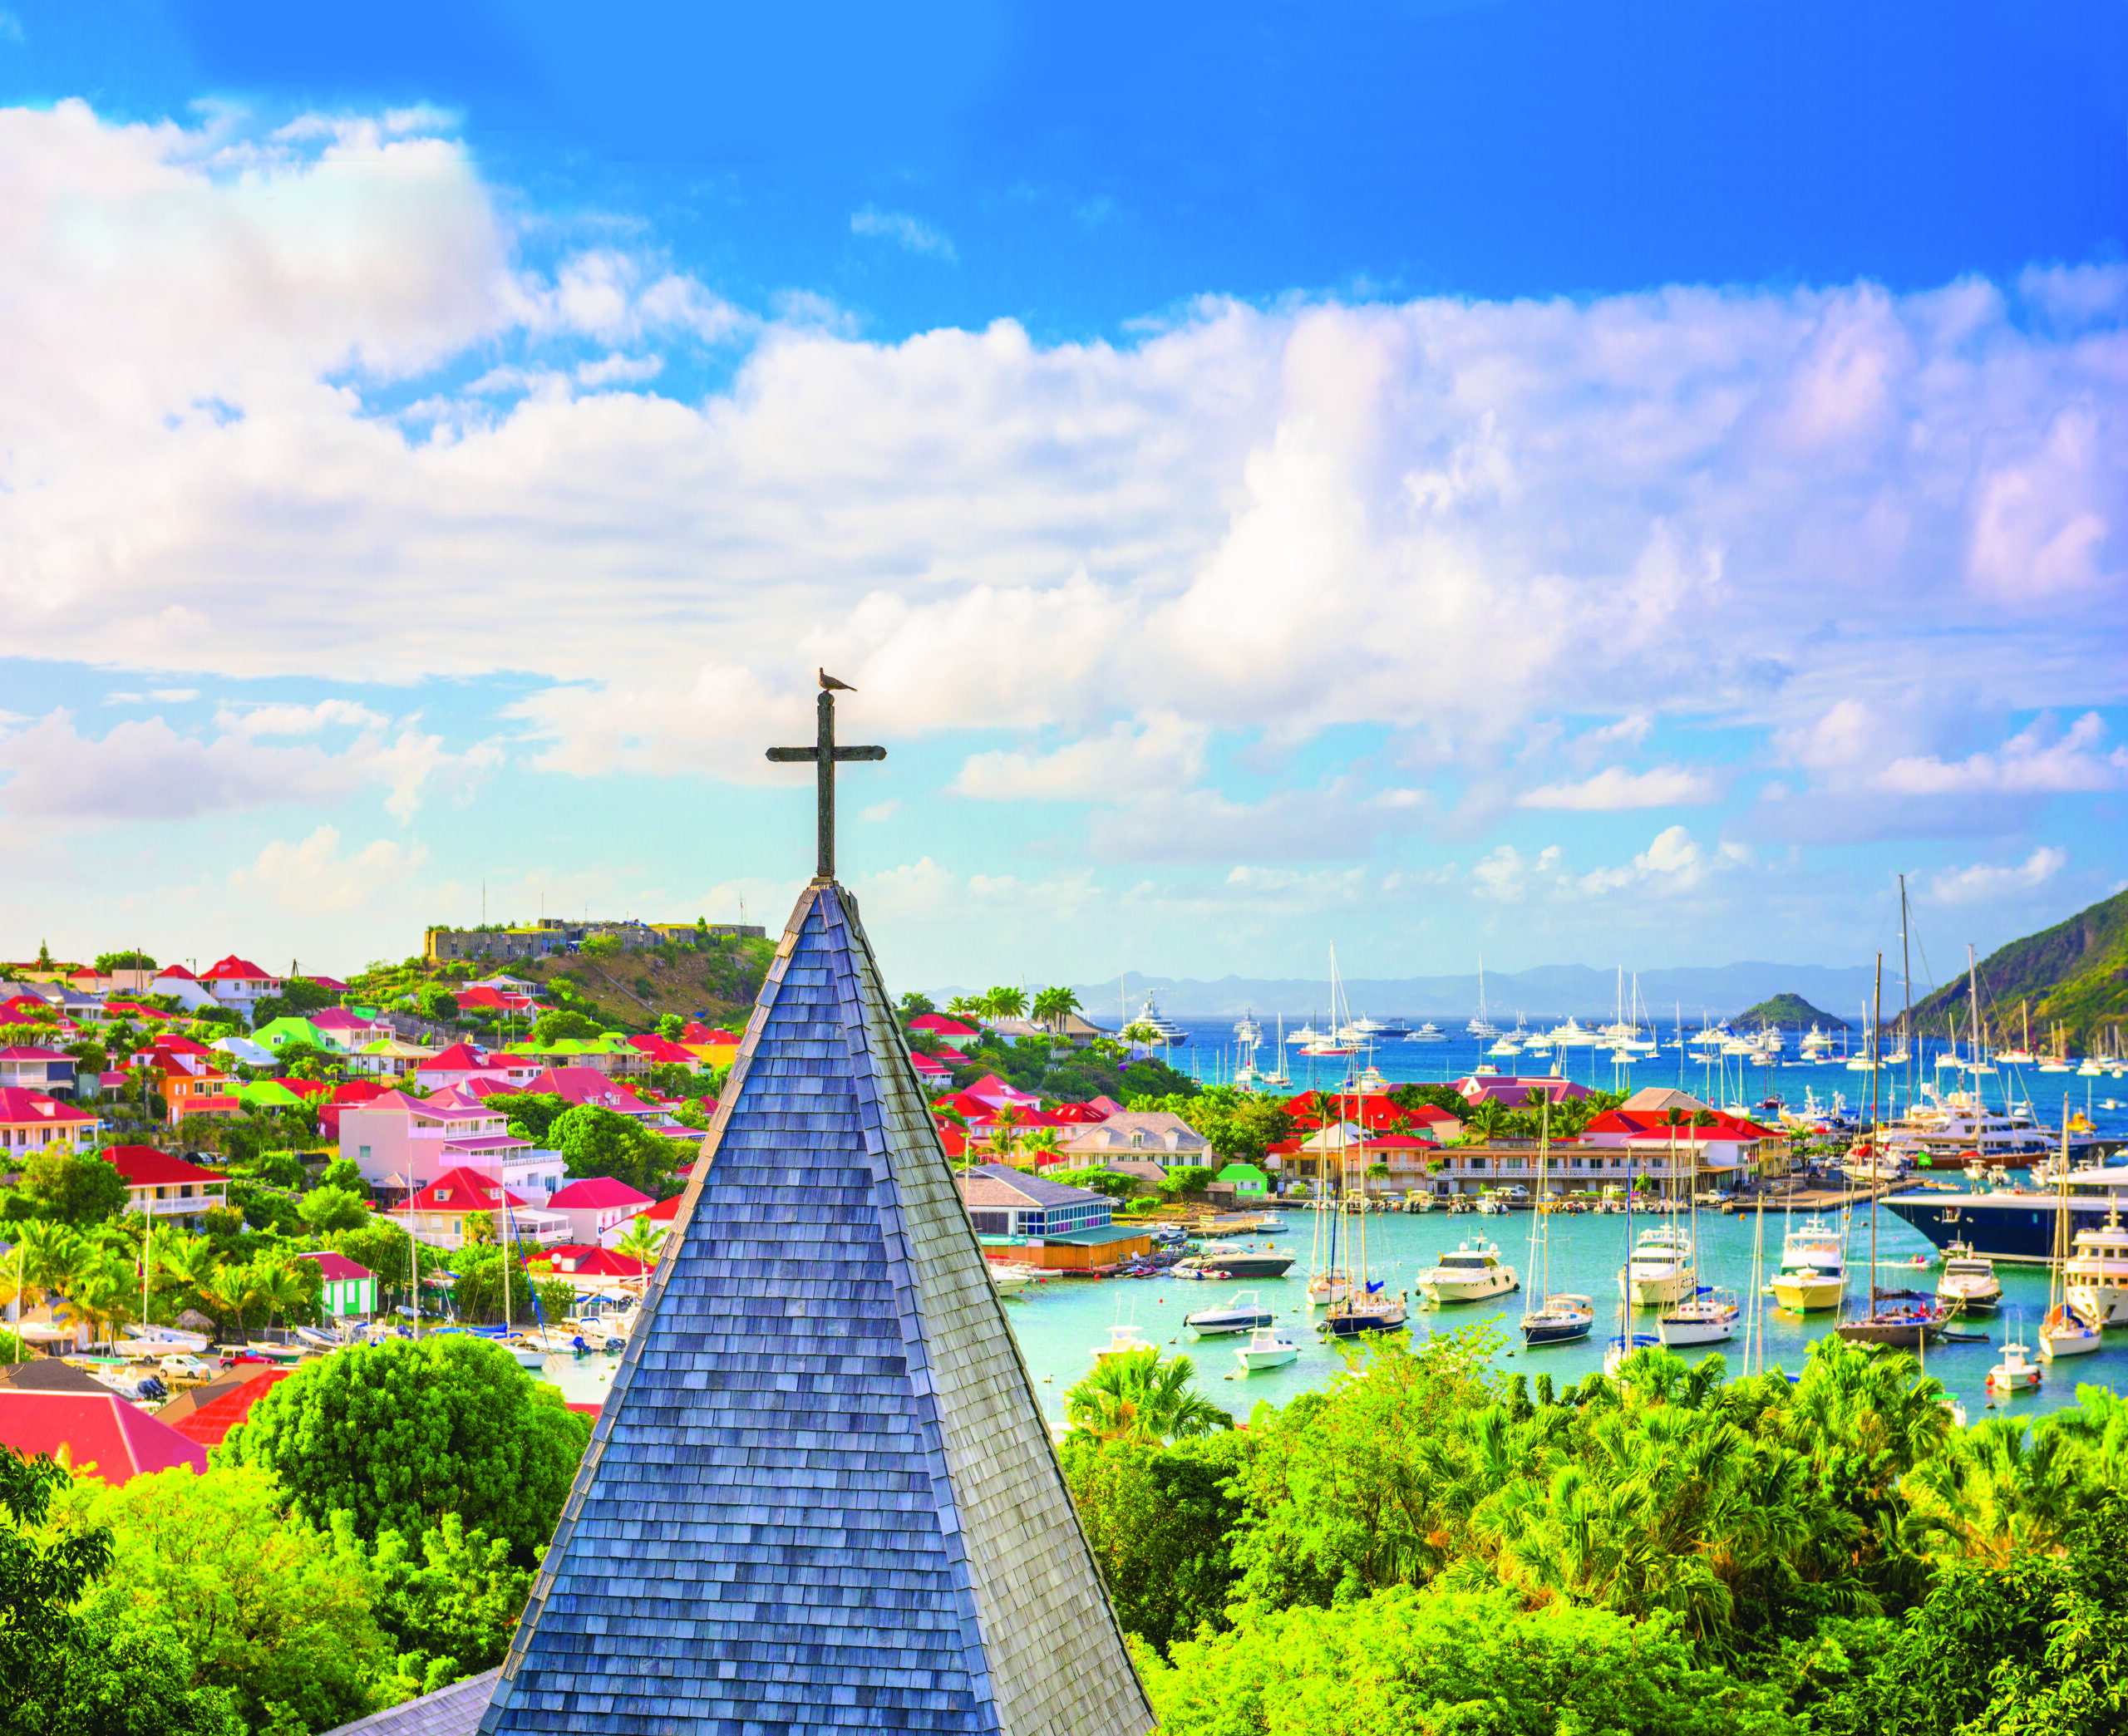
{"x":1138,"y":1139}
{"x":362,"y":1152}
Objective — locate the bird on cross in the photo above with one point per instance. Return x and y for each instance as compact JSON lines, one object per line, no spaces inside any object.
{"x":825,"y":755}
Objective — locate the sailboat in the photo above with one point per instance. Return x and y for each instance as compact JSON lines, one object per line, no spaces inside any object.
{"x":1560,"y":1319}
{"x":1626,"y":1341}
{"x":1366,"y":1305}
{"x":1481,"y":1027}
{"x":1904,"y":1319}
{"x":2066,"y":1331}
{"x":1709,"y":1316}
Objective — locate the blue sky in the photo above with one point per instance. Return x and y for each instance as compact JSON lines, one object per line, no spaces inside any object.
{"x":1609,"y":483}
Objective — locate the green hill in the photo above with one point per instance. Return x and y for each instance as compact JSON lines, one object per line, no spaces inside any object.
{"x":2075,"y":973}
{"x":1786,"y":1012}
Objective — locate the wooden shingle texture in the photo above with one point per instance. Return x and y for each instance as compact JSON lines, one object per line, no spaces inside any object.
{"x":821,"y":1495}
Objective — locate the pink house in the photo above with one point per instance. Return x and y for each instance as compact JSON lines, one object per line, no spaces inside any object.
{"x":398,"y":1141}
{"x":457,"y":1065}
{"x":1511,"y":1091}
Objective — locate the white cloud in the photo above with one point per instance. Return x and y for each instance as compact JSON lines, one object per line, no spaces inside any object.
{"x":1448,"y":518}
{"x":2036,"y":761}
{"x":1673,"y":861}
{"x":146,"y":771}
{"x":1615,"y":788}
{"x":881,"y":810}
{"x":904,"y":231}
{"x":287,"y":720}
{"x":1131,"y":759}
{"x":1984,"y":881}
{"x":312,"y":877}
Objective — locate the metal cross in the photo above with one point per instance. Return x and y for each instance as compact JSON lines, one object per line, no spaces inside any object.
{"x":825,"y":754}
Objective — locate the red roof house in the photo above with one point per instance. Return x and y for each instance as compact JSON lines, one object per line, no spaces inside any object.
{"x":165,"y":1185}
{"x":98,"y":1430}
{"x":950,"y":1031}
{"x":438,"y":1212}
{"x":210,"y":1423}
{"x":31,"y":1120}
{"x":597,"y":1208}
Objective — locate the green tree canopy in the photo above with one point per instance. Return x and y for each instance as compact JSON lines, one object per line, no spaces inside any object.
{"x":558,"y":1024}
{"x":596,"y":1141}
{"x":130,"y":959}
{"x":400,"y":1433}
{"x":533,"y":1113}
{"x":74,"y":1186}
{"x":327,"y":1209}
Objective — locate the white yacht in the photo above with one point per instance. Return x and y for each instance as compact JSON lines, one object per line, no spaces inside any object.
{"x":1428,"y":1032}
{"x":1169,"y":1032}
{"x":1660,"y":1272}
{"x":2097,"y":1272}
{"x":1968,"y":1285}
{"x":1813,"y":1268}
{"x":1246,"y":1031}
{"x":1470,"y":1274}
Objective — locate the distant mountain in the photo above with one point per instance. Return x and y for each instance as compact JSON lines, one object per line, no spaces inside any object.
{"x":2075,"y":973}
{"x":1545,"y":992}
{"x":1787,"y":1012}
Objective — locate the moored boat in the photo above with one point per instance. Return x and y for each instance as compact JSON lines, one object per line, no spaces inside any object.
{"x":1242,"y":1313}
{"x":1237,"y":1263}
{"x":1266,"y":1348}
{"x":2016,"y":1373}
{"x":2064,"y":1332}
{"x":1968,"y":1285}
{"x":1813,"y":1268}
{"x":1659,"y":1271}
{"x":1708,"y":1316}
{"x":1470,"y":1273}
{"x":1562,"y":1319}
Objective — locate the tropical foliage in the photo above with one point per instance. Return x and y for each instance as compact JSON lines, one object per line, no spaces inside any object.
{"x":1429,"y":1545}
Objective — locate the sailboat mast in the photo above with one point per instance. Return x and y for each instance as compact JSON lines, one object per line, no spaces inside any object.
{"x":1876,"y":1141}
{"x":1906,"y":989}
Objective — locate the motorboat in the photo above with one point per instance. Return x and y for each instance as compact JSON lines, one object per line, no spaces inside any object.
{"x":1968,"y":1285}
{"x":2064,"y":1332}
{"x":2016,"y":1373}
{"x":149,"y":1341}
{"x":1266,"y":1348}
{"x":1813,"y":1272}
{"x":1243,"y":1313}
{"x":2098,"y":1273}
{"x":1562,"y":1319}
{"x":1009,"y":1280}
{"x":1660,"y":1271}
{"x":1428,"y":1032}
{"x":1123,"y":1339}
{"x":1234,"y":1263}
{"x":1471,"y":1273}
{"x":1623,"y":1346}
{"x":1708,"y":1316}
{"x":528,"y":1352}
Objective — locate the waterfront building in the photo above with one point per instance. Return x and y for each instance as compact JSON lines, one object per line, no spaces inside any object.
{"x":1156,"y":1136}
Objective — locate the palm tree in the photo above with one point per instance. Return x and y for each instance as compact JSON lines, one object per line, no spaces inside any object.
{"x":1053,"y":1006}
{"x":187,"y":1262}
{"x":963,"y":1006}
{"x":1141,"y":1033}
{"x":1138,"y":1398}
{"x":103,"y":1293}
{"x":1004,"y":1128}
{"x":51,"y":1254}
{"x":229,"y":1291}
{"x":1041,"y":1145}
{"x":1005,"y":1003}
{"x":1489,"y":1119}
{"x":642,"y":1240}
{"x":283,"y":1293}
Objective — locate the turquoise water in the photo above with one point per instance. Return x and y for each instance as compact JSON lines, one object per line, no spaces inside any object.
{"x":1059,"y":1324}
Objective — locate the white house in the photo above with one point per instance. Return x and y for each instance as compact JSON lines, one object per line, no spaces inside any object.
{"x":598,"y":1209}
{"x":1156,"y":1136}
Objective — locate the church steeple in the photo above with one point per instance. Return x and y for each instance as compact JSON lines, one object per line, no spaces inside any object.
{"x":821,"y":1495}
